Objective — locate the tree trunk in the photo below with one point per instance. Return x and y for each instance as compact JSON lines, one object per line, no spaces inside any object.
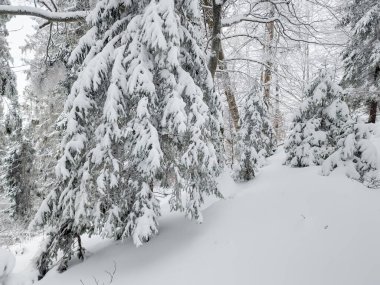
{"x":214,"y":23}
{"x":373,"y":103}
{"x":306,"y":54}
{"x":372,"y":112}
{"x":276,"y":123}
{"x":227,"y":86}
{"x":267,"y":74}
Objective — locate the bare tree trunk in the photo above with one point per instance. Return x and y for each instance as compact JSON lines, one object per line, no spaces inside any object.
{"x":81,"y":251}
{"x":306,"y":63}
{"x":305,"y":69}
{"x":227,"y":86}
{"x":267,"y":74}
{"x":276,"y":123}
{"x":214,"y":22}
{"x":372,"y":112}
{"x":373,"y":103}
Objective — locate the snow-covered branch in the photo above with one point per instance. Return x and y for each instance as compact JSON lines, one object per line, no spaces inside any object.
{"x":44,"y":14}
{"x":247,"y":18}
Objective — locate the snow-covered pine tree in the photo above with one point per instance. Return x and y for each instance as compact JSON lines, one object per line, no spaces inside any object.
{"x":141,"y":114}
{"x":8,"y":90}
{"x":357,"y":153}
{"x":15,"y":152}
{"x":318,"y":123}
{"x":16,"y":179}
{"x":362,"y":54}
{"x":256,"y":137}
{"x":50,"y":80}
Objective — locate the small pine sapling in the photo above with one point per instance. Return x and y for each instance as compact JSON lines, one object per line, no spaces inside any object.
{"x":256,"y":137}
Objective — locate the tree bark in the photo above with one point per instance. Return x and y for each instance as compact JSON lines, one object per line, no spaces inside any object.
{"x":373,"y":104}
{"x":267,"y":74}
{"x":372,"y":111}
{"x":214,"y":22}
{"x":227,"y":86}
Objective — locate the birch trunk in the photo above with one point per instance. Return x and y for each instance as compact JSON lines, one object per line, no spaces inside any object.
{"x":214,"y":23}
{"x":227,"y":86}
{"x":268,"y":50}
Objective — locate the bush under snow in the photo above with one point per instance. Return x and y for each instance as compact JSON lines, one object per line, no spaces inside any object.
{"x":358,"y":154}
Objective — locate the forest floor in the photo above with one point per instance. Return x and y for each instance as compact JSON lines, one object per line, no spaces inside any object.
{"x":287,"y":227}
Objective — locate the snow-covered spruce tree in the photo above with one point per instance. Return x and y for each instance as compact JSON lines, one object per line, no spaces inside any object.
{"x":362,"y":54}
{"x":16,"y":179}
{"x":256,"y":136}
{"x":13,"y":165}
{"x":356,"y":152}
{"x":50,"y":80}
{"x":141,"y":114}
{"x":8,"y":90}
{"x":318,"y":123}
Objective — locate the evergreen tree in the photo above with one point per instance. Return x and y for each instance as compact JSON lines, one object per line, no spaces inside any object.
{"x":256,"y":136}
{"x":16,"y":152}
{"x":50,"y":80}
{"x":317,"y":124}
{"x":17,"y":180}
{"x":356,"y":152}
{"x":141,"y":114}
{"x":8,"y":91}
{"x":362,"y":53}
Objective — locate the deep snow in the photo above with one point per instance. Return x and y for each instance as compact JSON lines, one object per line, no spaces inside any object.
{"x":288,"y":226}
{"x":7,"y":263}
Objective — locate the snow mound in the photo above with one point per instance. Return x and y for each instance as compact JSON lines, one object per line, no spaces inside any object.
{"x":7,"y":264}
{"x":288,"y":226}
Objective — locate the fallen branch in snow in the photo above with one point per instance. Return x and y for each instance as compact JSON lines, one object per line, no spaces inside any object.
{"x":44,"y":14}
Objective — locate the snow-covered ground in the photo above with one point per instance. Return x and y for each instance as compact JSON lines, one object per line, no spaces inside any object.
{"x":288,"y":226}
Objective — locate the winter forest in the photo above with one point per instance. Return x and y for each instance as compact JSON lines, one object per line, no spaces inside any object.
{"x":190,"y":142}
